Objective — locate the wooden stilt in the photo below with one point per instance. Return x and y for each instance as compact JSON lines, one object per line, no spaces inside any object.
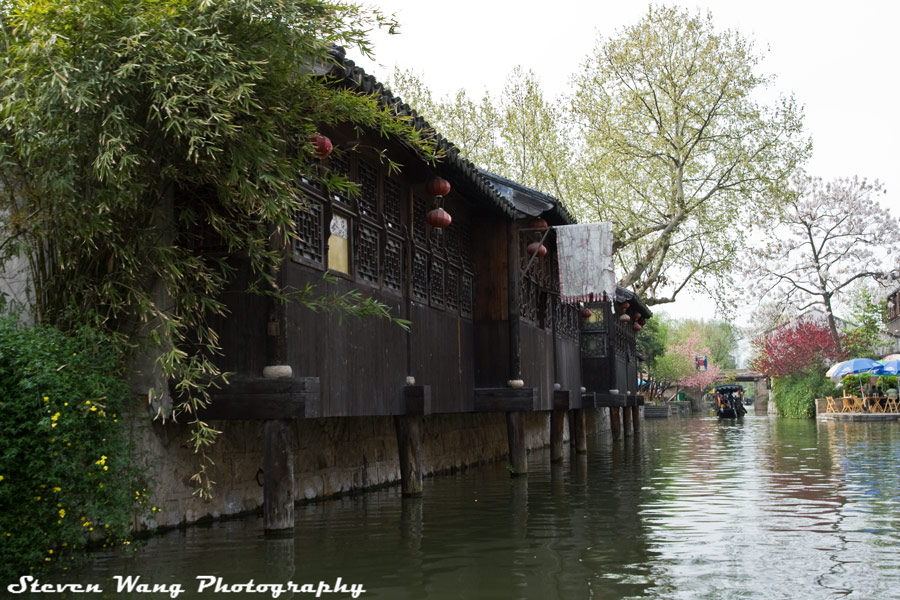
{"x":278,"y":469}
{"x":626,"y":421}
{"x":409,"y":451}
{"x":515,"y":429}
{"x":615,"y":425}
{"x":636,"y":419}
{"x":578,"y":431}
{"x":557,"y":432}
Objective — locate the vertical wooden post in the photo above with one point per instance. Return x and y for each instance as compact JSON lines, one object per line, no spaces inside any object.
{"x":409,"y":450}
{"x":626,"y":421}
{"x":512,"y":254}
{"x":636,"y":419}
{"x":614,"y":425}
{"x":557,"y":432}
{"x":515,"y":430}
{"x":278,"y":469}
{"x":578,"y":431}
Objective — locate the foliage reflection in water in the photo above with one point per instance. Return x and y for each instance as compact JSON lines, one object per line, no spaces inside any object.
{"x":693,"y":508}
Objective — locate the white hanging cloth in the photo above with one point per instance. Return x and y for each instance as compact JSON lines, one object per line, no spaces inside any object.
{"x":585,"y":262}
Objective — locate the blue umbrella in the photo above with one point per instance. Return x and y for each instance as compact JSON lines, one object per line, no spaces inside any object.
{"x":888,"y":367}
{"x":855,"y":366}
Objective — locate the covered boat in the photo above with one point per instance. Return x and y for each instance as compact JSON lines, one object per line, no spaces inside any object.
{"x":729,"y":402}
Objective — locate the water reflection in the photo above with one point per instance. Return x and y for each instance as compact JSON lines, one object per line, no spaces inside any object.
{"x":691,"y":508}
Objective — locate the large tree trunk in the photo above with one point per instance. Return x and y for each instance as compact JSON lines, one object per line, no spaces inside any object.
{"x":832,"y":325}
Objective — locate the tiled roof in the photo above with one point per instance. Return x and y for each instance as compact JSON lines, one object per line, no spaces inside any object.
{"x":365,"y":83}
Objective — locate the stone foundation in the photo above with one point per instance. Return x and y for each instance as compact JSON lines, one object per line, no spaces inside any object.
{"x":333,"y":456}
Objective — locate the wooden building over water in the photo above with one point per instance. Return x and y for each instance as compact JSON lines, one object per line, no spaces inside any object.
{"x":489,"y":331}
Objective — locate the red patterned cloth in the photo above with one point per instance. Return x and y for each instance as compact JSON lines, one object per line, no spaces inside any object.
{"x":585,"y":262}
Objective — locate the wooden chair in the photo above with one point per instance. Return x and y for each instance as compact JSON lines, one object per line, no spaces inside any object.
{"x":856,"y":405}
{"x":830,"y":406}
{"x":873,"y":404}
{"x":846,"y":404}
{"x":891,"y":404}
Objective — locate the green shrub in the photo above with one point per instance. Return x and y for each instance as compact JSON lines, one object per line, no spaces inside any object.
{"x":795,"y":395}
{"x":851,"y":382}
{"x":66,"y":481}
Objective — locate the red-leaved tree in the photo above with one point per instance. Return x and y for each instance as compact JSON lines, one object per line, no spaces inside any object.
{"x":794,"y":348}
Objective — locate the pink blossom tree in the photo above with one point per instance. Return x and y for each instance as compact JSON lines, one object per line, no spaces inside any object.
{"x":830,"y":235}
{"x":698,"y":380}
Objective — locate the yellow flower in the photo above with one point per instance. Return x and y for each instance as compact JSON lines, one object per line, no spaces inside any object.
{"x":62,"y":513}
{"x":1,"y":477}
{"x":55,"y":417}
{"x":50,"y":551}
{"x":105,"y":467}
{"x":57,"y":489}
{"x":52,"y":425}
{"x":46,"y":398}
{"x":93,"y":409}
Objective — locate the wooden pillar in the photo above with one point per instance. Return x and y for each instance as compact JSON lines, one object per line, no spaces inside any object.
{"x":626,"y":421}
{"x":615,"y":425}
{"x":557,"y":432}
{"x":636,"y":419}
{"x":578,"y":431}
{"x":409,"y":450}
{"x":515,"y":357}
{"x":518,"y":457}
{"x":278,"y":469}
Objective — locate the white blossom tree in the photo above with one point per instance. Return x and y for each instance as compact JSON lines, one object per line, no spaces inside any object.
{"x":830,"y":236}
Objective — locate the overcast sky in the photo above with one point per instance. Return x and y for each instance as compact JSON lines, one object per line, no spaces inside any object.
{"x":840,"y":59}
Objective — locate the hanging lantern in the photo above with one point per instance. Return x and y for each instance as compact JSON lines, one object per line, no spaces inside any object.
{"x":438,"y":218}
{"x":537,"y":249}
{"x":624,"y":318}
{"x":586,"y":313}
{"x":539,"y":224}
{"x":437,"y":187}
{"x":321,"y":144}
{"x":637,"y":327}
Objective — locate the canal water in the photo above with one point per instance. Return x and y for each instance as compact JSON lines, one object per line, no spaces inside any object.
{"x":691,"y":508}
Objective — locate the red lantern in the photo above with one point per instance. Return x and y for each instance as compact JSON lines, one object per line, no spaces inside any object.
{"x":539,"y":224}
{"x":624,"y":318}
{"x":537,"y":249}
{"x":322,"y":145}
{"x":586,"y":313}
{"x":438,"y":187}
{"x":438,"y":218}
{"x":637,"y":327}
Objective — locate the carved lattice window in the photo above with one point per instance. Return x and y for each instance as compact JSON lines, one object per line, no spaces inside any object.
{"x":340,"y":165}
{"x":465,"y":294}
{"x":392,"y":201}
{"x":368,"y":188}
{"x":308,"y":224}
{"x":367,"y":253}
{"x":420,"y":207}
{"x":420,"y":276}
{"x":452,"y":288}
{"x":436,"y":282}
{"x":393,"y":264}
{"x":529,"y":300}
